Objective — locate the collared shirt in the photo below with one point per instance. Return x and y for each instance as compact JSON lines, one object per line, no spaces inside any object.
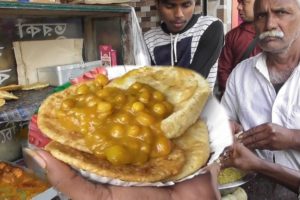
{"x":251,"y":99}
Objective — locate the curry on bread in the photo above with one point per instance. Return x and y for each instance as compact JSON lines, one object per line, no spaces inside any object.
{"x":143,"y":126}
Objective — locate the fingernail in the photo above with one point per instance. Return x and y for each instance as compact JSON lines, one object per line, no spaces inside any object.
{"x":37,"y":158}
{"x":239,"y":135}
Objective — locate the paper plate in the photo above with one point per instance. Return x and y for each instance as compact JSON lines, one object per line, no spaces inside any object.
{"x":218,"y":127}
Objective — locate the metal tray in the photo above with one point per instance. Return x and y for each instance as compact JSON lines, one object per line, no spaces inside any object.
{"x":58,"y":75}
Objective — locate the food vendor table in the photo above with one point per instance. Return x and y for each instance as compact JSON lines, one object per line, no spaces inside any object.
{"x":23,"y":108}
{"x":14,"y":117}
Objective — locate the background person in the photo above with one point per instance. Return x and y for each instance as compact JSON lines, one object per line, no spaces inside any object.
{"x":186,"y":39}
{"x":241,"y":157}
{"x":262,"y":93}
{"x":239,"y":44}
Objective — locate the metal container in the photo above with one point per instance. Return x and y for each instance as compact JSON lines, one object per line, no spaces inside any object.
{"x":10,"y":141}
{"x":58,"y":75}
{"x":21,"y":193}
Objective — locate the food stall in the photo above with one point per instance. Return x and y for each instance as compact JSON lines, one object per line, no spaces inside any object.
{"x":53,"y":43}
{"x":98,"y":27}
{"x":61,"y":41}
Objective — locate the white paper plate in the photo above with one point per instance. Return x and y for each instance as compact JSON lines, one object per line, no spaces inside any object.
{"x":218,"y":127}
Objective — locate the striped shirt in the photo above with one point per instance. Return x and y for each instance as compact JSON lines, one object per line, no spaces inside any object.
{"x":197,"y":47}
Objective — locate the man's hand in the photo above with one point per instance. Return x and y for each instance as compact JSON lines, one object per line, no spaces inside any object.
{"x":268,"y":136}
{"x":73,"y":185}
{"x":235,"y":127}
{"x":240,"y":157}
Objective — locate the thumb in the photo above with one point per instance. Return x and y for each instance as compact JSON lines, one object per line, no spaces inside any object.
{"x":62,"y":177}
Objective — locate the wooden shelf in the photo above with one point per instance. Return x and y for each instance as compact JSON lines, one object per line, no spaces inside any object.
{"x":95,"y":24}
{"x":19,"y":8}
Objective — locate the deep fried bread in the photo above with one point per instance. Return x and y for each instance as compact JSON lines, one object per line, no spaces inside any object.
{"x":185,"y":89}
{"x":152,"y":113}
{"x":195,"y":144}
{"x":155,"y":170}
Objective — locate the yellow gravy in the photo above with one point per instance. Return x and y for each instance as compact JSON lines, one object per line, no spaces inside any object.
{"x":122,"y":126}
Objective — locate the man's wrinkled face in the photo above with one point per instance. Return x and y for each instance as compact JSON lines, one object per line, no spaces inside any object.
{"x":245,"y":9}
{"x":176,"y":13}
{"x":277,"y":23}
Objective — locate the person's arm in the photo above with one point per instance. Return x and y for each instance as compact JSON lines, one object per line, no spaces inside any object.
{"x":209,"y":48}
{"x":241,"y":157}
{"x":70,"y":183}
{"x":288,"y":177}
{"x":296,"y":139}
{"x":225,"y":63}
{"x":235,"y":127}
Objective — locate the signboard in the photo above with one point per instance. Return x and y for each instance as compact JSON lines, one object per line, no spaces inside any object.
{"x":31,"y":28}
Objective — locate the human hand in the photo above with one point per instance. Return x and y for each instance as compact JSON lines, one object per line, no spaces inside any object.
{"x":70,"y":183}
{"x":240,"y":157}
{"x":267,"y":136}
{"x":235,"y":127}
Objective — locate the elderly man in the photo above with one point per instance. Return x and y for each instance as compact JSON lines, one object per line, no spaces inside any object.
{"x":262,"y":94}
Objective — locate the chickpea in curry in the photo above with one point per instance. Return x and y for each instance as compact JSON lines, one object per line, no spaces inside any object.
{"x":121,"y":126}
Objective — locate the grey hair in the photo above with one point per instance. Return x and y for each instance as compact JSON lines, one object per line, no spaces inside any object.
{"x":297,"y":1}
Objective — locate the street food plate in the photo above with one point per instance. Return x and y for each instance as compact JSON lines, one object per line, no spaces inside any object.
{"x":218,"y":127}
{"x":231,"y":187}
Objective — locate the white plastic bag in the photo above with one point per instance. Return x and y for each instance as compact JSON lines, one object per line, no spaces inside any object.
{"x":140,"y":51}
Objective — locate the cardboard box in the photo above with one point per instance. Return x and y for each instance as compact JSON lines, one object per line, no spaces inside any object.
{"x":31,"y":55}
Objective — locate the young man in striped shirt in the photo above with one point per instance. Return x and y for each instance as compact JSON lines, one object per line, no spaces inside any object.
{"x":186,"y":39}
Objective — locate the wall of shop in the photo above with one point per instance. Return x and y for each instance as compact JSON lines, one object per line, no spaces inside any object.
{"x":148,"y":16}
{"x":221,"y":9}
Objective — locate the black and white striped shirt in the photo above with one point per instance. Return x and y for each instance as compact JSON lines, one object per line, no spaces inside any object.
{"x":197,"y":47}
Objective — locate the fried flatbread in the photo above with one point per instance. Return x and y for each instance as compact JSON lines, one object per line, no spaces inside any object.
{"x":195,"y":144}
{"x":7,"y":95}
{"x":35,"y":86}
{"x":2,"y":102}
{"x":185,"y":89}
{"x":154,"y":170}
{"x":52,"y":127}
{"x":188,"y":93}
{"x":11,"y":87}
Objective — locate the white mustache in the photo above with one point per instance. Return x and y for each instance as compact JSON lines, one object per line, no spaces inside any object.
{"x":273,"y":33}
